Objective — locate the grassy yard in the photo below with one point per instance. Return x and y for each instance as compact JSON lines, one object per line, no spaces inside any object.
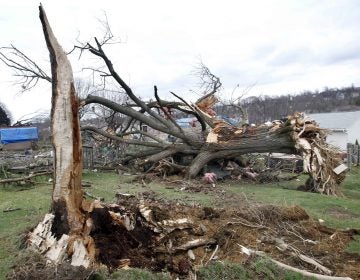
{"x":34,"y":202}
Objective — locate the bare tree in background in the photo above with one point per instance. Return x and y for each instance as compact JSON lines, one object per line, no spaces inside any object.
{"x":5,"y":115}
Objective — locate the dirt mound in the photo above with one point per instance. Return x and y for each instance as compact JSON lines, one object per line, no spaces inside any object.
{"x":146,"y":231}
{"x":143,"y":232}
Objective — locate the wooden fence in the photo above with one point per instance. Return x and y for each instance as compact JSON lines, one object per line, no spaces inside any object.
{"x":353,"y":155}
{"x":88,"y":157}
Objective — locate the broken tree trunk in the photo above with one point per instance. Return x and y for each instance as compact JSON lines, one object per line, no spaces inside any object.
{"x":65,"y":232}
{"x":67,"y":193}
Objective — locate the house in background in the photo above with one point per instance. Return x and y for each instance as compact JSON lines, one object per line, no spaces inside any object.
{"x":343,"y":127}
{"x":18,"y":138}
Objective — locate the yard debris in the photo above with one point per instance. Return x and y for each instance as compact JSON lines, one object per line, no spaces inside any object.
{"x":282,"y":246}
{"x":26,"y":179}
{"x":210,"y":178}
{"x":306,"y":273}
{"x":340,"y":168}
{"x":143,"y":231}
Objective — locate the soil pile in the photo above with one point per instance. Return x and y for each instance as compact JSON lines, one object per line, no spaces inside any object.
{"x":147,"y":232}
{"x":162,"y":235}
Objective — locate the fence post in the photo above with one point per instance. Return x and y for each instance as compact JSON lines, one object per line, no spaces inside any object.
{"x":349,"y":155}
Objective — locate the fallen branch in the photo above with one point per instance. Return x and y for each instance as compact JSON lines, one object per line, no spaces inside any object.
{"x":313,"y":262}
{"x":282,"y":246}
{"x":187,"y":246}
{"x":11,"y":209}
{"x":26,"y":178}
{"x":213,"y":254}
{"x":306,"y":273}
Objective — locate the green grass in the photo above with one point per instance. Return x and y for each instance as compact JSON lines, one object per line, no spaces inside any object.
{"x":105,"y":185}
{"x":260,"y":268}
{"x":34,"y":201}
{"x":354,"y":246}
{"x":338,"y":212}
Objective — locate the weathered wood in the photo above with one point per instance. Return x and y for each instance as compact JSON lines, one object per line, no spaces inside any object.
{"x":67,"y":192}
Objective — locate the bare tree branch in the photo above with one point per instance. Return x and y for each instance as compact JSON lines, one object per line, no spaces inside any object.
{"x":25,"y":69}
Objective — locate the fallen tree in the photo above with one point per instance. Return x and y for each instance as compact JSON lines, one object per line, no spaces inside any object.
{"x":211,"y":138}
{"x":214,"y":139}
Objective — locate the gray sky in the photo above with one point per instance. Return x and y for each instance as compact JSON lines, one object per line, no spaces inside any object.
{"x":284,"y":47}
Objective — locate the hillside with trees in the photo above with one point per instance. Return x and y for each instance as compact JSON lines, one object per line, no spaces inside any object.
{"x":266,"y":108}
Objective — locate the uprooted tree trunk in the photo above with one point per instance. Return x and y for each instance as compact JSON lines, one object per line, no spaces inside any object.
{"x":296,"y":135}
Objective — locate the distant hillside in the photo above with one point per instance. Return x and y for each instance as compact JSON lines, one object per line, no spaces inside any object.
{"x":264,"y":108}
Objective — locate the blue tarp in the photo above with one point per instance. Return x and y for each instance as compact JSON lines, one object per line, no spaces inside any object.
{"x":18,"y":134}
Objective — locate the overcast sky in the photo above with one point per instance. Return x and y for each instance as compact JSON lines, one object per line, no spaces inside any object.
{"x":284,"y":47}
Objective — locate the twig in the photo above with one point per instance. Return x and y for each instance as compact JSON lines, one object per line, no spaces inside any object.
{"x":282,"y":246}
{"x":246,"y":224}
{"x":166,"y":113}
{"x":188,"y":245}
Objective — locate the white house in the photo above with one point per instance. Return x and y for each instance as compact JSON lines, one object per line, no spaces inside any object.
{"x":344,"y":127}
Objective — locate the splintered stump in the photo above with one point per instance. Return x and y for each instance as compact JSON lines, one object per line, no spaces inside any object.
{"x":65,"y":232}
{"x":322,"y":161}
{"x":297,"y":135}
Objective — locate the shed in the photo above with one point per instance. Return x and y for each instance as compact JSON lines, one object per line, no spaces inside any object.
{"x":18,"y":138}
